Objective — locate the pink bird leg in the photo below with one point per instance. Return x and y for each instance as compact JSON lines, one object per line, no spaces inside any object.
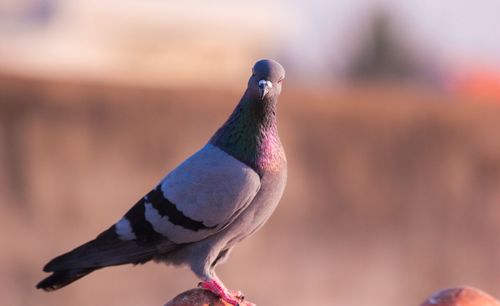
{"x":232,"y":297}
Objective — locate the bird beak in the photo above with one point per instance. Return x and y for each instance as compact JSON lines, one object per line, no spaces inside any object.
{"x":264,"y":87}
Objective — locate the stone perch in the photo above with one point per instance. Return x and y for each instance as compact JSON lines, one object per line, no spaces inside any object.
{"x":462,"y":296}
{"x":199,"y":297}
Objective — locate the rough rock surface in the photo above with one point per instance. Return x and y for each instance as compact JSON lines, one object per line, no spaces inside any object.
{"x":463,"y":296}
{"x":199,"y":297}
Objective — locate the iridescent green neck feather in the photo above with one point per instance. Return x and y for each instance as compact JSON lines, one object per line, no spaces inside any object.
{"x":251,"y":135}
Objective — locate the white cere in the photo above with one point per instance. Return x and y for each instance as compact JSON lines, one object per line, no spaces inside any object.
{"x":262,"y":83}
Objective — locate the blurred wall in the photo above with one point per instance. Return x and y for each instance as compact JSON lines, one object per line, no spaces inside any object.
{"x":392,"y":193}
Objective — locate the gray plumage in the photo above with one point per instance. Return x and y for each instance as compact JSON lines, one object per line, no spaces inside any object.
{"x":223,"y":193}
{"x":224,"y":188}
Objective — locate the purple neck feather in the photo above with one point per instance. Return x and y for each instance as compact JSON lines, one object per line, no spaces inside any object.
{"x":251,"y":134}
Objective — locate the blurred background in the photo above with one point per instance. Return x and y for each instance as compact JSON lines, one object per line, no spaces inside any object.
{"x":390,"y":117}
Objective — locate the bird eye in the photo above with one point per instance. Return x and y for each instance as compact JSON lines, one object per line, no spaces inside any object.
{"x":280,"y":81}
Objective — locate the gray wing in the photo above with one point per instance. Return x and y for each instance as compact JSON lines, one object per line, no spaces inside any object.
{"x":201,"y":196}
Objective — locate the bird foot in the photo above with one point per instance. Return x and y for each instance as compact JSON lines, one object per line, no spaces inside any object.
{"x":232,"y":297}
{"x":237,"y":294}
{"x":240,"y":296}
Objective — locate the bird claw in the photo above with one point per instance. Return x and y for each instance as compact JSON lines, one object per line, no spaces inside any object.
{"x":237,"y":294}
{"x":240,"y":296}
{"x":233,"y":297}
{"x":247,"y":303}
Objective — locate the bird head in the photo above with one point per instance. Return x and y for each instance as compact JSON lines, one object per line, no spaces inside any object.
{"x":266,"y":80}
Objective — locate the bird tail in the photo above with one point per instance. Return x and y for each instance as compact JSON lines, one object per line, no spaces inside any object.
{"x":105,"y":250}
{"x":62,"y":278}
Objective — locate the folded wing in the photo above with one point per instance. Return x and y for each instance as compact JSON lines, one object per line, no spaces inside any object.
{"x":201,"y":196}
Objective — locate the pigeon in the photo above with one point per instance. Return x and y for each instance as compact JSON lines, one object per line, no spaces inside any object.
{"x":220,"y":195}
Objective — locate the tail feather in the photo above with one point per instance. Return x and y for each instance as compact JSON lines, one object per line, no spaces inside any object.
{"x":105,"y":250}
{"x":62,"y":278}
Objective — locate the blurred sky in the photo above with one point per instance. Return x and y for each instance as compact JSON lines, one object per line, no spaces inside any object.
{"x":166,"y":41}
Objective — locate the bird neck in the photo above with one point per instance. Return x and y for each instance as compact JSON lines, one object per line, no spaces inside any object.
{"x":250,"y":134}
